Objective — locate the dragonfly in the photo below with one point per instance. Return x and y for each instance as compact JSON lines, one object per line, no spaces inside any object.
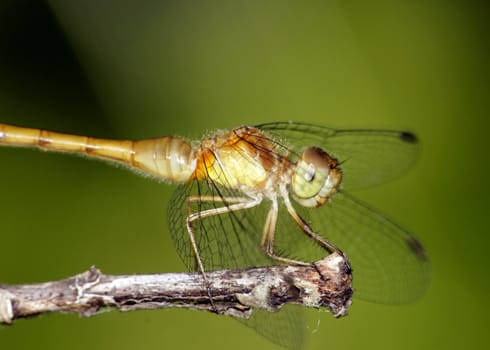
{"x":274,"y":193}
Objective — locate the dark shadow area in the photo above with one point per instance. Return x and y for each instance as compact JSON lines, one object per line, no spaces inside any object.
{"x":40,"y":70}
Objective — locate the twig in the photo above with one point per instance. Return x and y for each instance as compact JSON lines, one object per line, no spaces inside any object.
{"x":326,"y":283}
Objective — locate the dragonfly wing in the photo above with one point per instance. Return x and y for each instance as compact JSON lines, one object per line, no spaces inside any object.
{"x":367,"y":157}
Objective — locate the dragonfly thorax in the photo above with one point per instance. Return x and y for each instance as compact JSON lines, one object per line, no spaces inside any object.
{"x":245,"y":159}
{"x":315,"y":178}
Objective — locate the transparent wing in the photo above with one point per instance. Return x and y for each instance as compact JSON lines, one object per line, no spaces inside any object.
{"x":368,"y":157}
{"x":287,"y":327}
{"x":389,"y":265}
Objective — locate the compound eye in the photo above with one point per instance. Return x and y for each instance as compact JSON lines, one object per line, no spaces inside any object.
{"x":311,"y":181}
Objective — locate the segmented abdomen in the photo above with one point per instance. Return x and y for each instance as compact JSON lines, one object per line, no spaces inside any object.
{"x":167,"y":158}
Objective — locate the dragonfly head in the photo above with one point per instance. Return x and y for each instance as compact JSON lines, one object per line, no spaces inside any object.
{"x":316,"y":177}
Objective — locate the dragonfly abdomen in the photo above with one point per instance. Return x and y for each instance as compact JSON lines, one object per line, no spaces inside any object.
{"x":166,"y":158}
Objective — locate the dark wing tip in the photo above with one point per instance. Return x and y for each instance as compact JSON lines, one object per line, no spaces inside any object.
{"x":417,"y":248}
{"x":408,"y":136}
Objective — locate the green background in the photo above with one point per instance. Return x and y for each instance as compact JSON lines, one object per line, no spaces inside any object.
{"x":150,"y":68}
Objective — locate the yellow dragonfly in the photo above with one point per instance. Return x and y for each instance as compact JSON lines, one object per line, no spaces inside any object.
{"x":274,"y":193}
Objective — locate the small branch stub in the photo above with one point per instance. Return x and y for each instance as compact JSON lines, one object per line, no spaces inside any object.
{"x":326,"y":283}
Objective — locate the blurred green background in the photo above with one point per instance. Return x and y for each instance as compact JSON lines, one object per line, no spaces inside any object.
{"x":134,"y":69}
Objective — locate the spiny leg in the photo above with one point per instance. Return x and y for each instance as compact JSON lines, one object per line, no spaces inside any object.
{"x":267,"y":242}
{"x":192,"y":199}
{"x":240,"y":204}
{"x":322,"y":242}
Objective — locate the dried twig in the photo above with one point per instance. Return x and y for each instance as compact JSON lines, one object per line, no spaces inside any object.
{"x":325,"y":283}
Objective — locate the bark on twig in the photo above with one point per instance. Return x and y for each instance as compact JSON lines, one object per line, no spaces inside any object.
{"x":326,"y":283}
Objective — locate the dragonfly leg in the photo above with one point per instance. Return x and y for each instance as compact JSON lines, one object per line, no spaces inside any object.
{"x":240,"y":203}
{"x":328,"y":246}
{"x":267,"y":241}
